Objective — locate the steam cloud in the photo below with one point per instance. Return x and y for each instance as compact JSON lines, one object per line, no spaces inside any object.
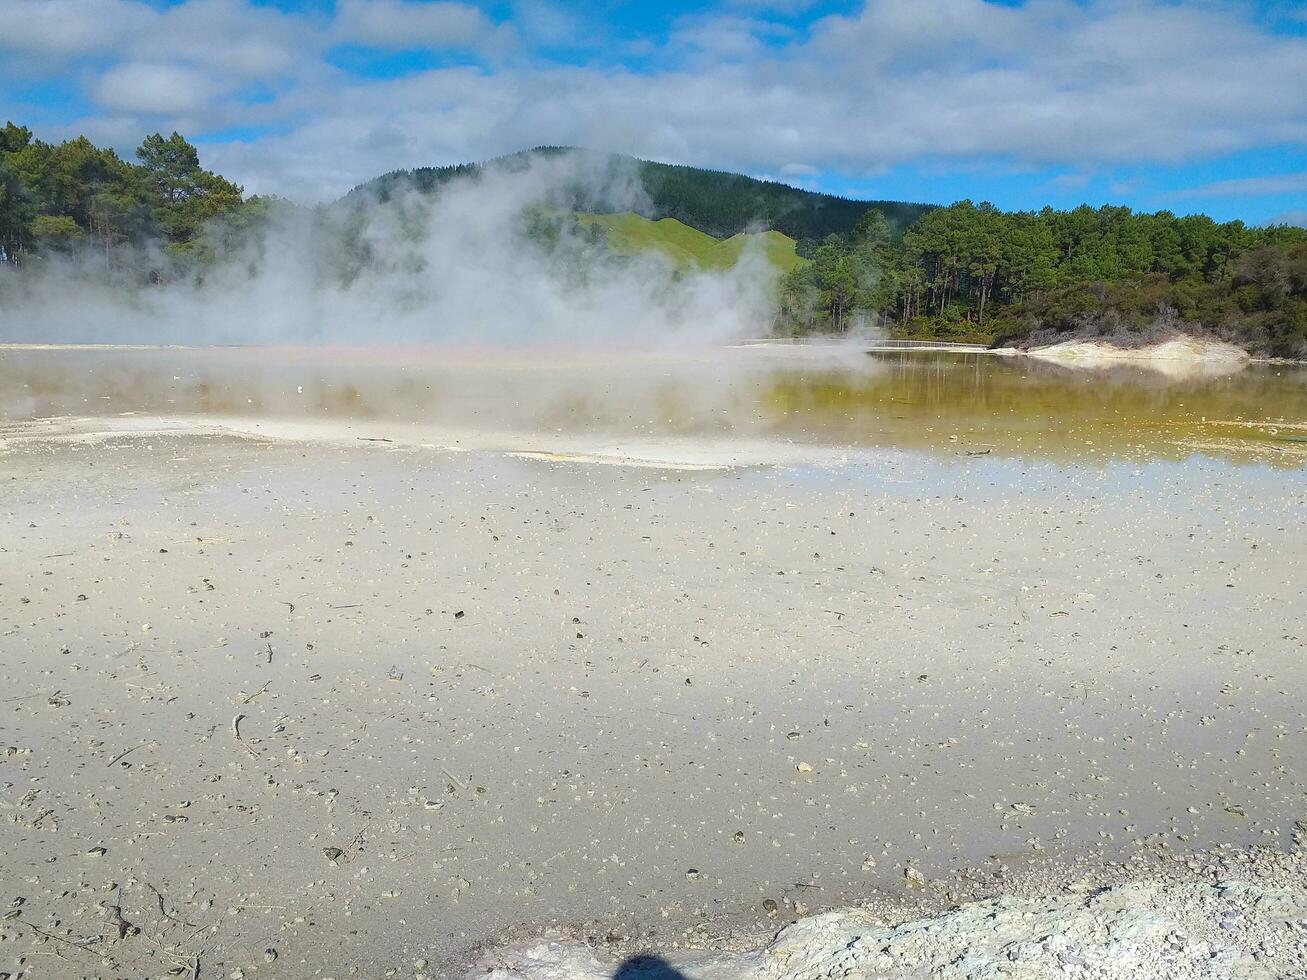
{"x":454,"y":268}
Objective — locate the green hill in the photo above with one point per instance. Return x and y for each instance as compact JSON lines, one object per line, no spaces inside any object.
{"x":629,"y":233}
{"x":725,"y":204}
{"x":712,"y":201}
{"x":780,"y":249}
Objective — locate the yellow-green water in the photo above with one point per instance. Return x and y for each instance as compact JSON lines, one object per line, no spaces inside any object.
{"x":950,"y":403}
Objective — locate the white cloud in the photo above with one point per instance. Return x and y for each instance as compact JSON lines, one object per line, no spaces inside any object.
{"x":712,"y":40}
{"x":1296,"y":218}
{"x":234,"y":37}
{"x":1051,"y":83}
{"x":57,"y":29}
{"x":406,"y":24}
{"x":551,"y":23}
{"x":154,"y":89}
{"x":1250,"y":187}
{"x":799,"y":170}
{"x":1071,"y":84}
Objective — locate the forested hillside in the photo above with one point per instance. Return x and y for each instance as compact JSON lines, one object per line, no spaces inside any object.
{"x":974,"y":272}
{"x":719,"y":204}
{"x":725,"y":204}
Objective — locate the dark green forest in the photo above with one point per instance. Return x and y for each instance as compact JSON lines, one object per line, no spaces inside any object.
{"x":973,"y":272}
{"x":962,"y":272}
{"x":60,"y":197}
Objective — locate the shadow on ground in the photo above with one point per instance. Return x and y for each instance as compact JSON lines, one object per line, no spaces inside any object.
{"x":648,"y":968}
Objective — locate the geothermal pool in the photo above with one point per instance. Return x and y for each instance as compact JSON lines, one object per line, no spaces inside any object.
{"x":825,"y":396}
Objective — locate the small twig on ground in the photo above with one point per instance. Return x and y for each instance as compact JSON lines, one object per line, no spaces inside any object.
{"x":250,"y":697}
{"x":122,"y":755}
{"x":164,"y":912}
{"x":355,"y":843}
{"x":236,"y":731}
{"x":22,"y":697}
{"x":262,"y":908}
{"x":458,"y":783}
{"x":80,"y":945}
{"x":182,"y":961}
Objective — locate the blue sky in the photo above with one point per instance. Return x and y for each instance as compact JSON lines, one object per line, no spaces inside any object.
{"x":1188,"y":106}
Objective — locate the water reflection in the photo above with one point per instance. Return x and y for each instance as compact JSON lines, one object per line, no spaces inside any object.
{"x":954,"y":403}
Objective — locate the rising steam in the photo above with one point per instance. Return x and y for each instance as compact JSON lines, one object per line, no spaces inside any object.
{"x":492,"y":258}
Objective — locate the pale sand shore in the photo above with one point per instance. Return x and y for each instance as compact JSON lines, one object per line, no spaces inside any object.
{"x":1174,"y":349}
{"x":366,"y":706}
{"x":649,"y":451}
{"x":1178,"y":358}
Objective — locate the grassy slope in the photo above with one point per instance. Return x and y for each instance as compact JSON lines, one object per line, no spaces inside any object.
{"x":629,"y":233}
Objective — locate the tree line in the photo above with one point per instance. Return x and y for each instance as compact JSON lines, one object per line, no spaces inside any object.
{"x":72,"y":195}
{"x":971,"y":271}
